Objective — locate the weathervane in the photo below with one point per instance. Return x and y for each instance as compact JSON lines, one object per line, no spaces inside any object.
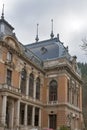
{"x":2,"y":16}
{"x":52,"y":35}
{"x":37,"y":39}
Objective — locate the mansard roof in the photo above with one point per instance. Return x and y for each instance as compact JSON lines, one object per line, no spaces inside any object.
{"x":5,"y":28}
{"x":6,"y":23}
{"x":49,"y":49}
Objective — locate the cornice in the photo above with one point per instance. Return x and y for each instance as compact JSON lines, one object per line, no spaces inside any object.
{"x":62,"y":67}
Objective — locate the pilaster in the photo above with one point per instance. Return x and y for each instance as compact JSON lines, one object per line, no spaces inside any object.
{"x":25,"y":115}
{"x":4,"y":105}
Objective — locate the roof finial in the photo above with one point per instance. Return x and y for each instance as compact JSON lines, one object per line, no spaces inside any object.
{"x":52,"y":35}
{"x":37,"y":34}
{"x":2,"y":16}
{"x":58,"y":37}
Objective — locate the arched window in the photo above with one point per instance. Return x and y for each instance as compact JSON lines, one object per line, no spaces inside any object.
{"x":9,"y":56}
{"x":23,"y":81}
{"x":53,"y":91}
{"x":38,"y":88}
{"x":31,"y":85}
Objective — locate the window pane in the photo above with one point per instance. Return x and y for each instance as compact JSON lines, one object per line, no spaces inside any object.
{"x":23,"y":81}
{"x":36,"y":116}
{"x":9,"y":56}
{"x":22,"y":106}
{"x":31,"y":85}
{"x":9,"y":76}
{"x":29,"y":115}
{"x":52,"y":121}
{"x":53,"y":91}
{"x":38,"y":88}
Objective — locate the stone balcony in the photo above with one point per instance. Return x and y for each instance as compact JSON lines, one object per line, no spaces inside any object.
{"x":9,"y":88}
{"x":52,"y":103}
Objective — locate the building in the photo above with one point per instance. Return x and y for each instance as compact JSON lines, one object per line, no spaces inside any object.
{"x":40,"y":84}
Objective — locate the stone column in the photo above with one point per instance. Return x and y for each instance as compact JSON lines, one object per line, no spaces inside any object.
{"x":17,"y":112}
{"x":33,"y":116}
{"x":27,"y":86}
{"x":11,"y":114}
{"x":34,"y":89}
{"x":4,"y":104}
{"x":40,"y":117}
{"x":25,"y":115}
{"x":34,"y":94}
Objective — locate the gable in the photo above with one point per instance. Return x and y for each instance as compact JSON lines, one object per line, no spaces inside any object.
{"x":12,"y":42}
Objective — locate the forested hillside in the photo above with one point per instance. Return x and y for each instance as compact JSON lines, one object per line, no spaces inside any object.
{"x":83,"y":67}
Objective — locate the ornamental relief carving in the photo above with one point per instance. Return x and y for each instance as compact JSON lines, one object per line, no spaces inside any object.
{"x":19,"y":65}
{"x":13,"y":43}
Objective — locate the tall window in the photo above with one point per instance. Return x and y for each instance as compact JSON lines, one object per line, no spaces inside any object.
{"x":29,"y":115}
{"x":38,"y":88}
{"x":23,"y":81}
{"x":53,"y":91}
{"x":31,"y":85}
{"x":36,"y":116}
{"x":22,"y":107}
{"x":9,"y":76}
{"x":53,"y":121}
{"x":9,"y":56}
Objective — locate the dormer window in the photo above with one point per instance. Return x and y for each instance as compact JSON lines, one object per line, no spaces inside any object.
{"x":9,"y":56}
{"x":43,"y":50}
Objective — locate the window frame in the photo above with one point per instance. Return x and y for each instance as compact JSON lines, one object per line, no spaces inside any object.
{"x":9,"y":56}
{"x":53,"y":90}
{"x":38,"y":88}
{"x":9,"y":77}
{"x":31,"y":85}
{"x":23,"y":81}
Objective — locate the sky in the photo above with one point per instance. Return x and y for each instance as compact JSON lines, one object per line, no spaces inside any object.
{"x":69,"y":21}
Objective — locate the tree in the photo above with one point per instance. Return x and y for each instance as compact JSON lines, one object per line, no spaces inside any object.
{"x":83,"y":67}
{"x":84,"y":45}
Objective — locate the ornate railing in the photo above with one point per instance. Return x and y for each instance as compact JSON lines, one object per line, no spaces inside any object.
{"x":52,"y":102}
{"x":10,"y":88}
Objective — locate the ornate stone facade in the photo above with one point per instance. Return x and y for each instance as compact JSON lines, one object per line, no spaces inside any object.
{"x":37,"y":93}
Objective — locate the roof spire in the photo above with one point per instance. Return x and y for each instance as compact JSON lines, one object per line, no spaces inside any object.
{"x":2,"y":16}
{"x":37,"y":34}
{"x":52,"y":35}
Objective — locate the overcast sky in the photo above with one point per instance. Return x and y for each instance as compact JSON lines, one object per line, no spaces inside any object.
{"x":69,"y":20}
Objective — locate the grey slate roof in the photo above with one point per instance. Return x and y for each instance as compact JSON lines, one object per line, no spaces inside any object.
{"x":6,"y":23}
{"x":5,"y":28}
{"x":49,"y":49}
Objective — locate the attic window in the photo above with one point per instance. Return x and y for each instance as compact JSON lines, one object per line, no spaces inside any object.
{"x":43,"y":50}
{"x":9,"y":56}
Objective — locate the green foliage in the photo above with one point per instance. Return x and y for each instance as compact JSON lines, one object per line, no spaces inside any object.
{"x":83,"y":67}
{"x":63,"y":128}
